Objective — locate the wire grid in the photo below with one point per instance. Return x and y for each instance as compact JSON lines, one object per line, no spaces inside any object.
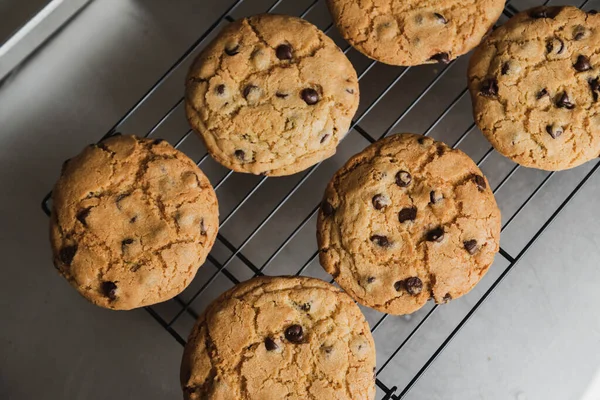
{"x":186,"y":304}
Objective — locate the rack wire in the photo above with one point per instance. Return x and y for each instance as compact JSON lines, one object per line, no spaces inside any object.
{"x":233,"y":262}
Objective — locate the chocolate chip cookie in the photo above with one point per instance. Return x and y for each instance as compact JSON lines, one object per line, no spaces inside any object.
{"x":274,"y":338}
{"x":132,"y":221}
{"x":406,"y":220}
{"x":271,"y":95}
{"x":414,"y":32}
{"x":535,"y":84}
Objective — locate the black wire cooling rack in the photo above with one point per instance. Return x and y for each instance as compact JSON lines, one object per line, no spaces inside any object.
{"x":267,"y":224}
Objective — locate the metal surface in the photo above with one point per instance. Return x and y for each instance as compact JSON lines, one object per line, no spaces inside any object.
{"x":268,"y":224}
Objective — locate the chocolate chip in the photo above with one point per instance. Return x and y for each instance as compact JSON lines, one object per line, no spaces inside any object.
{"x":541,"y":94}
{"x":446,"y":299}
{"x":582,"y":64}
{"x":324,"y":138}
{"x":67,"y":254}
{"x":380,"y":201}
{"x":371,"y":279}
{"x":281,"y":95}
{"x":505,"y":68}
{"x":294,"y":334}
{"x":121,"y":197}
{"x":595,"y":86}
{"x":240,"y":154}
{"x":592,"y":12}
{"x":545,"y":12}
{"x":471,"y":246}
{"x":110,"y":290}
{"x":327,"y":208}
{"x":434,"y":197}
{"x":351,"y":91}
{"x":421,"y":140}
{"x":202,"y":228}
{"x":442,"y":58}
{"x":555,"y":45}
{"x":489,"y":88}
{"x":305,"y":307}
{"x":83,"y":214}
{"x":399,"y":285}
{"x":249,"y":89}
{"x":435,"y":235}
{"x":310,"y":96}
{"x":270,"y":344}
{"x":403,"y":179}
{"x":232,"y":50}
{"x":127,"y":241}
{"x":220,"y":89}
{"x":407,"y":214}
{"x":555,"y":131}
{"x":133,"y":219}
{"x":381,"y":241}
{"x":480,"y":182}
{"x":578,"y":32}
{"x":413,"y":285}
{"x":564,"y":102}
{"x":441,"y":18}
{"x":327,"y":349}
{"x":284,"y":52}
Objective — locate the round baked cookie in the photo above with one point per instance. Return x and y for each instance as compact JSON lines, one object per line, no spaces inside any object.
{"x":414,"y":32}
{"x":271,"y":95}
{"x":535,"y":84}
{"x":275,"y":338}
{"x":132,"y":221}
{"x":406,"y":220}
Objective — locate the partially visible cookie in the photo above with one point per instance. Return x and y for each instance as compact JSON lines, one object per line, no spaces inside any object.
{"x":275,"y":338}
{"x":271,"y":95}
{"x":535,"y":84}
{"x":132,"y":221}
{"x":406,"y":220}
{"x":414,"y":32}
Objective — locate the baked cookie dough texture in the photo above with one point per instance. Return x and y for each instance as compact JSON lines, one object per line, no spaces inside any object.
{"x":406,"y":220}
{"x":271,"y":95}
{"x":132,"y":221}
{"x":414,"y":32}
{"x":535,"y":84}
{"x":274,"y":338}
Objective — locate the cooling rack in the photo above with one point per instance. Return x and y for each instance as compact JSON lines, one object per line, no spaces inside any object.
{"x":267,"y":225}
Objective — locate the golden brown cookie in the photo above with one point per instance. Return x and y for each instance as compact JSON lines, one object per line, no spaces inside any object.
{"x":274,"y":338}
{"x":271,"y":95}
{"x":132,"y":221}
{"x":535,"y":85}
{"x":414,"y":32}
{"x":406,"y":220}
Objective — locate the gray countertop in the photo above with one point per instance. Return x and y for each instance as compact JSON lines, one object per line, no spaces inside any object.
{"x":536,"y":337}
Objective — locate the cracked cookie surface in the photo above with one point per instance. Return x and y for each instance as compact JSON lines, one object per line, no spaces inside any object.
{"x":275,"y":338}
{"x":414,"y":32}
{"x":406,"y":220}
{"x":271,"y":95}
{"x":132,"y":221}
{"x":535,"y":86}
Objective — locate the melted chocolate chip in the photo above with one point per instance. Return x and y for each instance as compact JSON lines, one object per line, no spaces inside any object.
{"x":471,"y":246}
{"x":446,"y":299}
{"x":371,"y":279}
{"x":595,"y":86}
{"x":564,"y":102}
{"x":403,"y":178}
{"x":380,"y":201}
{"x":220,"y":89}
{"x":327,"y":208}
{"x":270,"y":344}
{"x":414,"y":285}
{"x":434,"y":197}
{"x":294,"y":334}
{"x":324,"y":138}
{"x":202,"y":227}
{"x":578,"y":32}
{"x":351,"y":91}
{"x":399,"y":285}
{"x":441,"y":18}
{"x":407,"y":214}
{"x":110,"y":290}
{"x":555,"y":45}
{"x":545,"y":12}
{"x":310,"y":96}
{"x":281,"y":95}
{"x":127,"y":241}
{"x":240,"y":154}
{"x":284,"y":52}
{"x":442,"y":58}
{"x":480,"y":182}
{"x":232,"y":50}
{"x":582,"y":64}
{"x":505,"y":68}
{"x":489,"y":88}
{"x":133,"y":219}
{"x":555,"y":131}
{"x":67,"y":254}
{"x":381,"y":241}
{"x":541,"y":94}
{"x":435,"y":235}
{"x":421,"y":140}
{"x":249,"y":89}
{"x":592,"y":12}
{"x":83,"y":214}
